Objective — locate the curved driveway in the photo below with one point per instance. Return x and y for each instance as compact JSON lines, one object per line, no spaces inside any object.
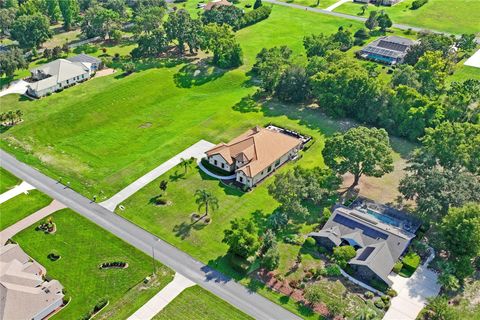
{"x":226,"y":288}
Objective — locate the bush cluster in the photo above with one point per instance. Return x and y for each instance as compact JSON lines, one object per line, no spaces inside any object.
{"x":255,"y":16}
{"x":114,"y":264}
{"x":418,"y":3}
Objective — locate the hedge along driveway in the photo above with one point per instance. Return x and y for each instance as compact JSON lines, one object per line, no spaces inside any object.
{"x":83,"y":246}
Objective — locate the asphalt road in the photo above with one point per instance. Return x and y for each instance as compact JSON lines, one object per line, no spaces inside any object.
{"x":224,"y":287}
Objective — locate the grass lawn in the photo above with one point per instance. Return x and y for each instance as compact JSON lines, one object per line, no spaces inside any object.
{"x":453,"y":16}
{"x":21,"y":206}
{"x":196,"y":303}
{"x":7,"y":180}
{"x":323,"y":4}
{"x":83,"y":246}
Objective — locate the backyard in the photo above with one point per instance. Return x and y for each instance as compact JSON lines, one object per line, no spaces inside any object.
{"x":196,"y":303}
{"x":21,"y":206}
{"x":458,"y":16}
{"x":82,"y":247}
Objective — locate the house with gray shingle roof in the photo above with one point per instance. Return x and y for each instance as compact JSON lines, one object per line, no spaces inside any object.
{"x":378,"y":244}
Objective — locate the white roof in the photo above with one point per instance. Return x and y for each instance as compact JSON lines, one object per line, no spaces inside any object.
{"x":474,"y":61}
{"x":59,"y":70}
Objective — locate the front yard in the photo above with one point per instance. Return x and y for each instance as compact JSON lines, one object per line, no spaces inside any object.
{"x":7,"y":180}
{"x":21,"y":206}
{"x":82,"y":247}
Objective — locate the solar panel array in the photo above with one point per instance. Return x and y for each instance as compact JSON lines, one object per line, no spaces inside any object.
{"x":366,"y":253}
{"x":392,"y":46}
{"x":382,"y":52}
{"x":368,"y":231}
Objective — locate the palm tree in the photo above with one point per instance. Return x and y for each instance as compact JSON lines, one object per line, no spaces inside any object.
{"x":186,"y":163}
{"x":364,"y":8}
{"x":206,"y":199}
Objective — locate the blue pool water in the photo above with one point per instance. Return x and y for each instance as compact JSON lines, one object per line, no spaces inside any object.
{"x":384,"y":218}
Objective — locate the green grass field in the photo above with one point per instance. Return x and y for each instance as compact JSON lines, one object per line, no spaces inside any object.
{"x":21,"y":206}
{"x":196,"y":303}
{"x":7,"y":180}
{"x":454,"y":16}
{"x":101,"y":135}
{"x":83,"y":247}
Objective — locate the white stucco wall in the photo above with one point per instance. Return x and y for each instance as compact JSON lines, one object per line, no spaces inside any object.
{"x":45,"y":312}
{"x":219,"y":161}
{"x":56,"y":87}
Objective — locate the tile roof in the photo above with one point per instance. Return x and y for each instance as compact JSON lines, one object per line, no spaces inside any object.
{"x":260,"y":147}
{"x":59,"y":70}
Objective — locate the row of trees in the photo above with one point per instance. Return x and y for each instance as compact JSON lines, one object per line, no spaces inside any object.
{"x":416,"y":97}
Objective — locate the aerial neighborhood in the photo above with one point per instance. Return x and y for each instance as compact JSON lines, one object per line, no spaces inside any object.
{"x":247,"y":159}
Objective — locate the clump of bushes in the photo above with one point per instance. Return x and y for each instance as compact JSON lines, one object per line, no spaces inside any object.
{"x":100,"y":304}
{"x":343,"y":254}
{"x":53,"y":256}
{"x":310,"y":243}
{"x":114,"y":264}
{"x":369,"y":294}
{"x":411,"y":261}
{"x":392,"y":293}
{"x":255,"y":16}
{"x":379,"y":304}
{"x":333,"y":271}
{"x":397,"y":267}
{"x":418,"y":3}
{"x":292,"y":239}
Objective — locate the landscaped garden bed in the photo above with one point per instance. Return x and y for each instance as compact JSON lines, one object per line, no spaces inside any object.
{"x":114,"y":265}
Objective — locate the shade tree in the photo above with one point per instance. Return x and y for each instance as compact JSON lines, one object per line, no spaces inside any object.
{"x":31,"y":31}
{"x":242,"y":238}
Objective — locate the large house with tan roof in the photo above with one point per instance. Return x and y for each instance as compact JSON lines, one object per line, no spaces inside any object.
{"x":24,"y":294}
{"x":255,"y":154}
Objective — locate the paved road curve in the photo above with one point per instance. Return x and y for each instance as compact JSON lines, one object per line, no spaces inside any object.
{"x":208,"y":278}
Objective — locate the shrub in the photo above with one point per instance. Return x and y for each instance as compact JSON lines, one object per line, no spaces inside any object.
{"x":379,"y":304}
{"x":392,"y":293}
{"x":255,"y":16}
{"x":292,"y":239}
{"x":325,"y":216}
{"x":343,"y":254}
{"x":410,"y":262}
{"x":379,"y":285}
{"x":418,"y":3}
{"x":333,"y":271}
{"x":385,"y":299}
{"x":271,"y":259}
{"x":248,"y":5}
{"x":100,"y":304}
{"x":369,"y":294}
{"x":310,"y":243}
{"x":397,"y":267}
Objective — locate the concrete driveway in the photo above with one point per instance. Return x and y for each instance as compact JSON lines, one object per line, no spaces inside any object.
{"x":412,"y":293}
{"x":18,"y":87}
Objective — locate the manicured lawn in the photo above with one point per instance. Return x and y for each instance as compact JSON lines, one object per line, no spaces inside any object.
{"x":83,"y":246}
{"x":196,"y":303}
{"x":313,"y":3}
{"x":7,"y":180}
{"x":457,"y":16}
{"x":21,"y":206}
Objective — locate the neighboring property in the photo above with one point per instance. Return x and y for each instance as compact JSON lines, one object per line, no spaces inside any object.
{"x":380,"y":2}
{"x":60,"y":74}
{"x":388,"y":50}
{"x":216,"y":3}
{"x":380,"y":240}
{"x":24,"y":293}
{"x":256,"y":153}
{"x":95,"y":63}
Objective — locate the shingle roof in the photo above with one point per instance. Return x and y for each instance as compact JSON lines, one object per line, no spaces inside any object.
{"x":259,"y":146}
{"x":23,"y":292}
{"x":378,"y":258}
{"x":59,"y":70}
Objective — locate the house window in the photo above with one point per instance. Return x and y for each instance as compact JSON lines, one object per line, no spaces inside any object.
{"x":277,"y":163}
{"x":240,"y":179}
{"x":223,"y":166}
{"x":215,"y":162}
{"x":270,"y":168}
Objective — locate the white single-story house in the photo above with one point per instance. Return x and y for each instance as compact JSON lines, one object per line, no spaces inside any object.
{"x":24,"y":294}
{"x":57,"y":75}
{"x":255,"y":154}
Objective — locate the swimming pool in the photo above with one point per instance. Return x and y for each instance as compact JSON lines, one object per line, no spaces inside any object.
{"x":384,"y":218}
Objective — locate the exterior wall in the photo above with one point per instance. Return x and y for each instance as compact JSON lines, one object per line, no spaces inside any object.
{"x":265,"y":172}
{"x":365,"y":274}
{"x":45,"y":312}
{"x":220,"y":163}
{"x":59,"y":86}
{"x":242,"y":178}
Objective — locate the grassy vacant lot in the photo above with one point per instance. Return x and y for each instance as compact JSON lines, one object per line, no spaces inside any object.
{"x":7,"y":180}
{"x":83,"y":247}
{"x":21,"y":206}
{"x":457,"y":16}
{"x":196,"y":303}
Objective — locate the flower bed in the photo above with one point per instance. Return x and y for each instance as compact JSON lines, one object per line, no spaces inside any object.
{"x":114,"y":265}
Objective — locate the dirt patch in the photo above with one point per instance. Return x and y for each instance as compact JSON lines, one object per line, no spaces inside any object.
{"x":145,"y":125}
{"x":104,"y":72}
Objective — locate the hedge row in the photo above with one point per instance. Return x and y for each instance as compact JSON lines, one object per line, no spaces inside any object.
{"x":418,"y":3}
{"x":255,"y":16}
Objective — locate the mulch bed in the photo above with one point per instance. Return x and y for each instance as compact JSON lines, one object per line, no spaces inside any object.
{"x":283,"y":287}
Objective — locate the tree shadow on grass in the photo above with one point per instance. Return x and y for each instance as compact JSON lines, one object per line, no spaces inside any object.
{"x":176,"y":176}
{"x":247,"y":104}
{"x":184,"y":229}
{"x":197,"y":74}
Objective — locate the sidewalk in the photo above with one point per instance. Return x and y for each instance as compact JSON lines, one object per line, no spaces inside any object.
{"x":28,"y":221}
{"x":21,"y":188}
{"x":337,"y":4}
{"x":162,"y":299}
{"x":197,"y":151}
